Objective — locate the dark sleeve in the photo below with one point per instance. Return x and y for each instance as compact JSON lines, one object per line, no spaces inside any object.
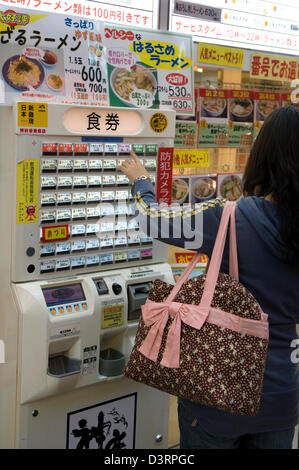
{"x":193,"y":227}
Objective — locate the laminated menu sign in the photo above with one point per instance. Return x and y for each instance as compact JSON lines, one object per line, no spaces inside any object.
{"x":213,"y":125}
{"x":52,"y":58}
{"x":63,"y":59}
{"x":241,"y":108}
{"x":185,"y":134}
{"x":149,"y":70}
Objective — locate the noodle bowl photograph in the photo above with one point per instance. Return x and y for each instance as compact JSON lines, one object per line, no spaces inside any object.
{"x":23,"y":73}
{"x":124,"y":81}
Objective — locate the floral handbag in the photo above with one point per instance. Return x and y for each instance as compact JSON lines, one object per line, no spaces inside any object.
{"x":205,"y":339}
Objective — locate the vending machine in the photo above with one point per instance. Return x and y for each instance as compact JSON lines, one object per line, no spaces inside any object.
{"x":75,"y":270}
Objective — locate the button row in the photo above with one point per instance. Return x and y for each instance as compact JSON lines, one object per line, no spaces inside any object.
{"x":73,"y":308}
{"x":81,"y":166}
{"x":53,"y":148}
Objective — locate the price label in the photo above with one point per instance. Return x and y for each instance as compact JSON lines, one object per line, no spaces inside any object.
{"x":78,"y":245}
{"x":80,"y":165}
{"x":78,"y":213}
{"x":64,"y":247}
{"x":108,"y":195}
{"x":49,"y":148}
{"x":106,"y":243}
{"x":121,"y":195}
{"x":94,"y":181}
{"x":97,"y":149}
{"x":81,"y":148}
{"x":111,"y":149}
{"x":78,"y":262}
{"x":65,"y":148}
{"x":49,"y":165}
{"x":65,"y":165}
{"x":47,"y":266}
{"x":150,"y":164}
{"x":124,"y":149}
{"x":92,"y":229}
{"x":58,"y":232}
{"x":92,"y":260}
{"x":78,"y":230}
{"x":80,"y":181}
{"x":133,"y":255}
{"x":64,"y":198}
{"x":109,"y":180}
{"x":93,"y":197}
{"x":120,"y":241}
{"x":64,"y":182}
{"x":63,"y":264}
{"x":93,"y":213}
{"x":109,"y":164}
{"x":106,"y":258}
{"x":95,"y":165}
{"x":107,"y":209}
{"x":48,"y":216}
{"x":48,"y":199}
{"x":49,"y":182}
{"x":93,"y":244}
{"x":120,"y":257}
{"x":47,"y":250}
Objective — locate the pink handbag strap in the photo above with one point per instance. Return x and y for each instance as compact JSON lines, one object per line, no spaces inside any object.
{"x":216,"y":259}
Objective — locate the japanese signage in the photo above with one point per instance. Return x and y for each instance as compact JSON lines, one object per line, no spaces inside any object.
{"x":191,"y":158}
{"x":27,"y":191}
{"x":64,"y":59}
{"x":220,"y":55}
{"x":112,"y":314}
{"x":129,"y":12}
{"x":32,"y":115}
{"x":164,"y":175}
{"x":147,"y":70}
{"x":270,"y":67}
{"x":186,"y":257}
{"x":185,"y":134}
{"x":259,"y":25}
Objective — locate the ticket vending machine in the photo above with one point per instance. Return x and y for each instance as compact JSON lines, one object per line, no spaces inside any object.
{"x":75,"y":270}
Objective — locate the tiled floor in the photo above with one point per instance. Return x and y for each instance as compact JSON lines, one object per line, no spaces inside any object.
{"x":173,"y":427}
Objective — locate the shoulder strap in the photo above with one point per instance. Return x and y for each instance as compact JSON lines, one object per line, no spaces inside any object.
{"x":228,"y":213}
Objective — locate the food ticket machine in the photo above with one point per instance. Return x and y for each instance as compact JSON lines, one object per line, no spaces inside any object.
{"x":75,"y":270}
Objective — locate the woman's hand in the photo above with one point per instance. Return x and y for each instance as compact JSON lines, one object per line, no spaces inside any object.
{"x":133,"y":168}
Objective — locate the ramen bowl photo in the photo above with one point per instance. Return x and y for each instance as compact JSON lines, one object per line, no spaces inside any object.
{"x":180,"y":190}
{"x":241,"y":108}
{"x":231,"y":187}
{"x":23,"y":73}
{"x":267,"y":107}
{"x":203,"y":188}
{"x":124,"y":81}
{"x":49,"y":59}
{"x":214,"y":107}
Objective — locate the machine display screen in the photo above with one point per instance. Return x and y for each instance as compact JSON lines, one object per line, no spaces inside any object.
{"x":63,"y":294}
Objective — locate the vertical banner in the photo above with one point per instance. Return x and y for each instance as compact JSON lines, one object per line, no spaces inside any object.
{"x":164,"y":175}
{"x":27,"y":191}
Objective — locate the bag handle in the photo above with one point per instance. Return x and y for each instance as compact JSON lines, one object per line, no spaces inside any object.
{"x":228,"y":212}
{"x":217,"y":255}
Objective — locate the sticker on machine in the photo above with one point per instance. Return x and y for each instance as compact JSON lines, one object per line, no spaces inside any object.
{"x":108,"y":425}
{"x":62,"y":332}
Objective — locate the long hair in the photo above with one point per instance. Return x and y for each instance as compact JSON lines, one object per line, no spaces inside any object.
{"x":273,"y":170}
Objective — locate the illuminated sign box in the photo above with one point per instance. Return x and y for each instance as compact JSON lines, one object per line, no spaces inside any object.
{"x":259,"y":25}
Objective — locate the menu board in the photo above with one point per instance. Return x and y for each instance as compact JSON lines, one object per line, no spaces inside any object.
{"x":185,"y":134}
{"x":241,"y":113}
{"x":265,"y":104}
{"x":61,"y":59}
{"x":213,"y":124}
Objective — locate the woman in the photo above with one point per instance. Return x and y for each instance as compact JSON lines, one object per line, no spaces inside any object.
{"x":267,"y":223}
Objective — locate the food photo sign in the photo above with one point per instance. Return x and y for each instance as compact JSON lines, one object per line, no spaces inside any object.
{"x":65,"y":59}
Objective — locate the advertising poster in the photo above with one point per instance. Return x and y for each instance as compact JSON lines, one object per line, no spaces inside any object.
{"x":109,"y":425}
{"x":213,"y":124}
{"x":241,"y":108}
{"x":52,"y":58}
{"x":64,"y":59}
{"x":149,"y":70}
{"x":180,"y":190}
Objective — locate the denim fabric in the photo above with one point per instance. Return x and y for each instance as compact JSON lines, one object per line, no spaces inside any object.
{"x":193,"y":436}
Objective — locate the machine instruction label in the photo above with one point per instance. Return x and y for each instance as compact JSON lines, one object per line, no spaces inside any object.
{"x":112,"y":314}
{"x":27,"y":191}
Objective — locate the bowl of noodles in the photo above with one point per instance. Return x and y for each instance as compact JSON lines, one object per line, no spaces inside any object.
{"x":203,"y":188}
{"x":179,"y":190}
{"x":214,"y":106}
{"x":267,"y":107}
{"x":124,"y":81}
{"x":23,"y":73}
{"x":231,"y":188}
{"x":241,"y":108}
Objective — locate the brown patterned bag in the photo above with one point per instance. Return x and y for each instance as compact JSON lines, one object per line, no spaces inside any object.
{"x":205,"y":339}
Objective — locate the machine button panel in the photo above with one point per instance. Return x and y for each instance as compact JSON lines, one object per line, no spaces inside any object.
{"x":69,"y":308}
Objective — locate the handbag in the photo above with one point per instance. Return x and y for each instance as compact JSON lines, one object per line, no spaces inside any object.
{"x":204,"y":339}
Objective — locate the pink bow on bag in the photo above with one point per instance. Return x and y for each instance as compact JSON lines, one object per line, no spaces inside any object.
{"x":156,"y":314}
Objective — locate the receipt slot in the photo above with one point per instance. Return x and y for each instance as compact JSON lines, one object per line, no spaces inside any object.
{"x":73,"y":281}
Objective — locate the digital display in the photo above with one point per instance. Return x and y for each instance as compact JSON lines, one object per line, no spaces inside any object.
{"x":63,"y":294}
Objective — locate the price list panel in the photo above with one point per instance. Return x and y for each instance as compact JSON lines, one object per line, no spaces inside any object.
{"x":86,"y":217}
